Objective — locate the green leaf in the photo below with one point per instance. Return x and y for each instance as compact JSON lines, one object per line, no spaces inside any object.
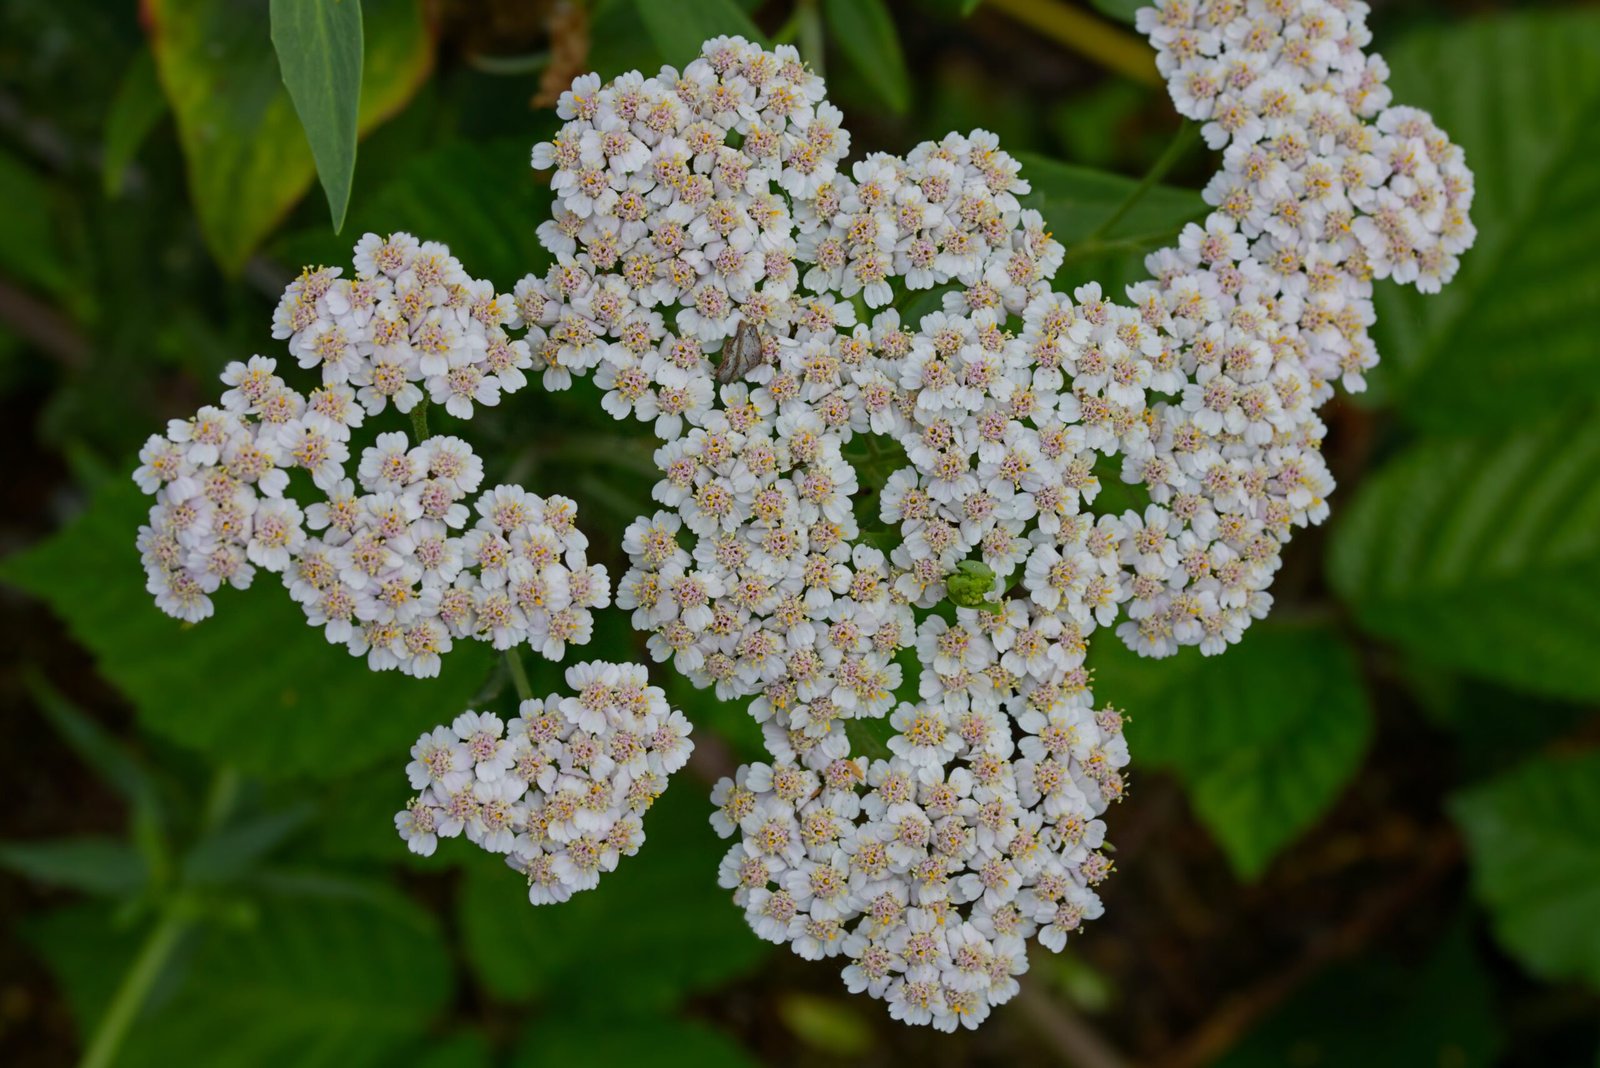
{"x":659,"y":1041}
{"x":134,"y":113}
{"x":1264,"y":736}
{"x":1511,"y":337}
{"x":1534,"y":840}
{"x":103,"y":753}
{"x":30,"y":249}
{"x":309,"y":982}
{"x":245,"y":150}
{"x":95,"y":865}
{"x":87,"y":947}
{"x":1383,"y":1012}
{"x":1483,"y":554}
{"x":662,"y":907}
{"x":318,"y":43}
{"x":1076,"y":201}
{"x":117,"y":767}
{"x":233,"y":850}
{"x":464,"y":1049}
{"x":1121,"y":10}
{"x":616,"y":44}
{"x":680,"y":28}
{"x":481,"y":199}
{"x":865,"y":33}
{"x":253,"y":686}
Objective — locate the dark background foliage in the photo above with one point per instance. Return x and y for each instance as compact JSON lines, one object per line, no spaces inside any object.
{"x":1370,"y":834}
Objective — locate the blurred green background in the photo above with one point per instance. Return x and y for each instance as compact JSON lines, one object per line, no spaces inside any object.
{"x":1368,"y":835}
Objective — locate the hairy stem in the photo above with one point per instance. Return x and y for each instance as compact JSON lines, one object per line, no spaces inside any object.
{"x":419,"y":420}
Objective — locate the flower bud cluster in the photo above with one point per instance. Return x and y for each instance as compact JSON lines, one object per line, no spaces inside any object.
{"x":561,"y":790}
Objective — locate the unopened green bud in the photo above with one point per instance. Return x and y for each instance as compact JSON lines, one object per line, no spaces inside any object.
{"x":969,"y":584}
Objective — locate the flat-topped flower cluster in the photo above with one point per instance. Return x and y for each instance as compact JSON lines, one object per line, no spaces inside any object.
{"x":695,"y":205}
{"x":561,"y":789}
{"x":386,"y":563}
{"x":895,"y":461}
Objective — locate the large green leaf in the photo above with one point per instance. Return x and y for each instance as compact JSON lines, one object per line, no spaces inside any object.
{"x":105,"y":755}
{"x":464,"y":1049}
{"x":1484,"y":554}
{"x":94,"y":865}
{"x":1534,"y":839}
{"x":1382,"y":1012}
{"x":306,"y":982}
{"x":661,"y":910}
{"x":135,"y":110}
{"x":1076,"y":202}
{"x":866,"y":35}
{"x":480,"y":199}
{"x":254,"y":685}
{"x":1121,"y":10}
{"x":30,"y":250}
{"x":318,"y":43}
{"x":247,"y":156}
{"x":679,"y":28}
{"x":88,"y":947}
{"x":1511,"y":336}
{"x":1264,"y":736}
{"x":603,"y":1038}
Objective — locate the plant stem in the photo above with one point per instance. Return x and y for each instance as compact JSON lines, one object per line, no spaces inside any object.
{"x":135,"y":988}
{"x":1087,"y":249}
{"x":1088,"y":35}
{"x":176,"y":916}
{"x":810,"y":20}
{"x":219,"y":799}
{"x":519,"y":676}
{"x":419,"y":420}
{"x":1175,"y":151}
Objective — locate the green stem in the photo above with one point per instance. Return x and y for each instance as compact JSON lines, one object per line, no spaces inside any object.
{"x":219,"y":800}
{"x":419,"y":420}
{"x":1175,"y":151}
{"x":176,"y":916}
{"x":135,"y":988}
{"x":519,"y":676}
{"x":1088,"y":250}
{"x":810,"y":19}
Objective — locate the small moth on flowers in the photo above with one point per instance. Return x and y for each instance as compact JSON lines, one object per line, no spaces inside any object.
{"x":741,"y":354}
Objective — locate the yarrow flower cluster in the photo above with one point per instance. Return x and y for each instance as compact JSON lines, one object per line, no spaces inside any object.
{"x":387,"y":563}
{"x":850,"y":488}
{"x":561,"y":790}
{"x":697,"y":208}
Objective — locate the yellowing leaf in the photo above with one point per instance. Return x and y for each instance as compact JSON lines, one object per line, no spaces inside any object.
{"x":246,"y":154}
